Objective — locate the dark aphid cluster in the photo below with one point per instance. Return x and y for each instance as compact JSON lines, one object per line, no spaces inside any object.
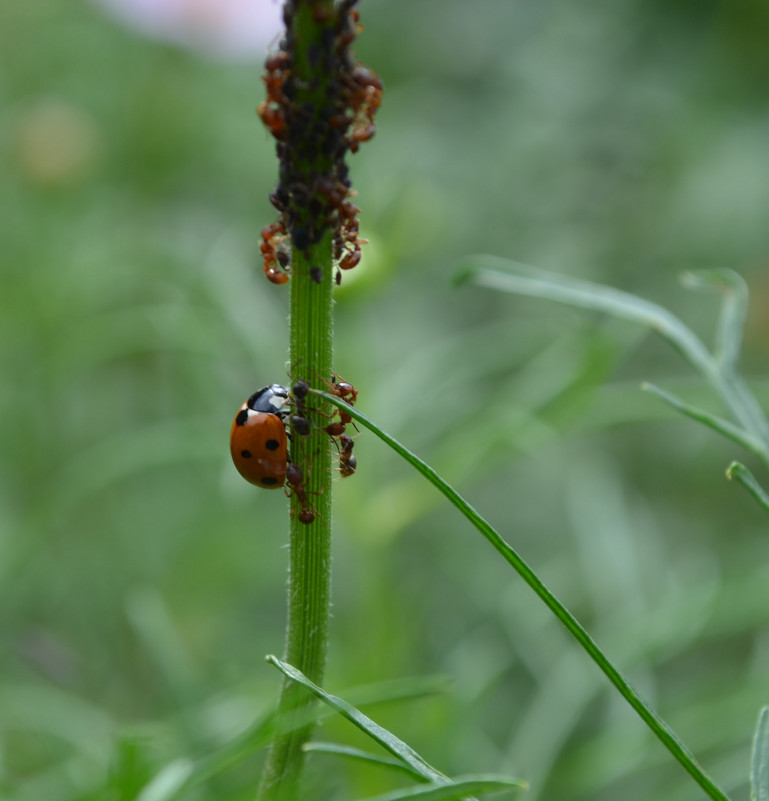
{"x":320,"y":105}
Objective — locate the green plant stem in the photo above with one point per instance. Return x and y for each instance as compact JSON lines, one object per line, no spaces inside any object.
{"x":645,"y":712}
{"x":311,"y":351}
{"x":310,"y":545}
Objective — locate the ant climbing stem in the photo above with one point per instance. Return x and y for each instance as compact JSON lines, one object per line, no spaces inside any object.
{"x":301,"y":424}
{"x":295,"y":481}
{"x":298,"y":420}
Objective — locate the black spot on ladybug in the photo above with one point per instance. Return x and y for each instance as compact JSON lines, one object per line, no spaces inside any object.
{"x":269,"y":481}
{"x":241,"y":418}
{"x":246,"y":454}
{"x":272,"y":445}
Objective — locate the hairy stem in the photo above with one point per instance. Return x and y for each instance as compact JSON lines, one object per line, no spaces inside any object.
{"x":311,"y":349}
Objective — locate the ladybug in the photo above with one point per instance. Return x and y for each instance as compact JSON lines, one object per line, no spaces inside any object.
{"x":258,"y":440}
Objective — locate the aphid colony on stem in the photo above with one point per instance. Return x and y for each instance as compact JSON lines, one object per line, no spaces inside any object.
{"x":316,"y":120}
{"x":263,"y":426}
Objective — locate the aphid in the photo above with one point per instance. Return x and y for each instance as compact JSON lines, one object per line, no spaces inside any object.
{"x":350,"y":260}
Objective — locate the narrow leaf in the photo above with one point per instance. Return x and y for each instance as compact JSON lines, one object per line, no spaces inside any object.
{"x":724,"y":427}
{"x":259,"y":734}
{"x":526,"y":280}
{"x":734,"y":309}
{"x":759,"y":759}
{"x":741,"y":473}
{"x":460,"y":788}
{"x":386,"y":739}
{"x":364,"y":756}
{"x":168,"y":782}
{"x":575,"y":628}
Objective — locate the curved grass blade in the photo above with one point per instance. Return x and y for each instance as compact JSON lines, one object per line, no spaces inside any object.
{"x":734,"y":310}
{"x":486,"y":271}
{"x":575,"y":628}
{"x":386,"y":739}
{"x":494,"y":272}
{"x":759,"y":759}
{"x":724,"y":427}
{"x":460,"y":788}
{"x":258,"y":735}
{"x":363,"y":756}
{"x":740,"y":473}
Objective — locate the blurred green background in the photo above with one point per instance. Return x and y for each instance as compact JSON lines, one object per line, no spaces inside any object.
{"x":143,"y":580}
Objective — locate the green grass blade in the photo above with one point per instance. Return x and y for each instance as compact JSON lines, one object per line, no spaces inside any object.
{"x":741,"y":473}
{"x":652,"y":720}
{"x":759,"y":759}
{"x":460,"y":788}
{"x":363,"y":756}
{"x":386,"y":739}
{"x":495,"y":273}
{"x":734,"y":310}
{"x":487,"y":271}
{"x":718,"y":424}
{"x":257,"y":736}
{"x":167,"y":783}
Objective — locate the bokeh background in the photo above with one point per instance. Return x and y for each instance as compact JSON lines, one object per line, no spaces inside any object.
{"x":143,"y":581}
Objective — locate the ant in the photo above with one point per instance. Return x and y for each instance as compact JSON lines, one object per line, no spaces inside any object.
{"x":346,"y":392}
{"x":272,"y":246}
{"x":343,"y":389}
{"x":299,"y":421}
{"x":347,"y":462}
{"x":295,"y":481}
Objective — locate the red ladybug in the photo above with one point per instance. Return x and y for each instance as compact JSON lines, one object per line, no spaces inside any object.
{"x":259,"y":445}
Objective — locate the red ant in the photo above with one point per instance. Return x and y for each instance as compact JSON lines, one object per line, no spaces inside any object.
{"x":272,"y":110}
{"x":346,"y":392}
{"x":273,"y":241}
{"x":336,"y":429}
{"x":343,"y":389}
{"x":365,"y":98}
{"x":295,"y":480}
{"x":347,"y":462}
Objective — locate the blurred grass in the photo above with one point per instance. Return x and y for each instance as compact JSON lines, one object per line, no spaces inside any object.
{"x":621,"y":144}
